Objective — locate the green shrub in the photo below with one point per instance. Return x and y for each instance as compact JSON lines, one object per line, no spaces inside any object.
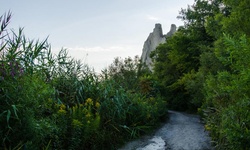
{"x":55,"y":102}
{"x":227,"y":95}
{"x":235,"y":125}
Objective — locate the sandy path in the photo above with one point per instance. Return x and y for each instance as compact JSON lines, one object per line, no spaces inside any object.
{"x":181,"y":132}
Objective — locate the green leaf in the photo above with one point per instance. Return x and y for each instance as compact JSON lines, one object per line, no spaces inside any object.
{"x":8,"y":116}
{"x":15,"y":110}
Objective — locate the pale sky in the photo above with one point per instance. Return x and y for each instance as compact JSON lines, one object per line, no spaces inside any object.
{"x":95,"y":31}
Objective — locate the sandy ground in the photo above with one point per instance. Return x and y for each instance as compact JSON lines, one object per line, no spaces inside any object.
{"x":181,"y":132}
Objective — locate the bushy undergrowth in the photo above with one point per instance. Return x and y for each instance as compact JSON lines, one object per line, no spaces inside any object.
{"x":227,"y":97}
{"x":55,"y":102}
{"x":204,"y":66}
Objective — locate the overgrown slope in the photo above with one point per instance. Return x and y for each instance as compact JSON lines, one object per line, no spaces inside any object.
{"x":204,"y":67}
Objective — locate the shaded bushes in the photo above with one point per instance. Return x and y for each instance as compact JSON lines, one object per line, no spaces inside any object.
{"x":227,"y":94}
{"x":204,"y":66}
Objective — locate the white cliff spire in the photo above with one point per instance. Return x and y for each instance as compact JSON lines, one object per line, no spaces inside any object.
{"x":154,"y":39}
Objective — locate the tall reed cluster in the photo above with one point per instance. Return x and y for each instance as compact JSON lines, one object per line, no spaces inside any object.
{"x":55,"y":102}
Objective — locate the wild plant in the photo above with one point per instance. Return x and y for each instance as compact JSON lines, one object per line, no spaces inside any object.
{"x":23,"y":89}
{"x":54,"y":101}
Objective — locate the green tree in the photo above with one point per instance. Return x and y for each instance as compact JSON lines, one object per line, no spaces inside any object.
{"x":227,"y":94}
{"x":226,"y":90}
{"x":177,"y":62}
{"x":125,"y":72}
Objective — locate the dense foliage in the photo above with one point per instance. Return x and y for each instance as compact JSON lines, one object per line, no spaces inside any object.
{"x":55,"y":102}
{"x":205,"y":67}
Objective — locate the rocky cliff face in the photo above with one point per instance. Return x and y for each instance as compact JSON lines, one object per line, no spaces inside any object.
{"x":154,"y":39}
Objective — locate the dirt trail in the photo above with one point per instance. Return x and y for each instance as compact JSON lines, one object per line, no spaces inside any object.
{"x":181,"y":132}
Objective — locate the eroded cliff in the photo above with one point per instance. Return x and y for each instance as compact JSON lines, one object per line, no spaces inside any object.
{"x":154,"y":39}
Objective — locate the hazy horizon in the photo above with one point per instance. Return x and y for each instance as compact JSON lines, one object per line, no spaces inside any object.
{"x":95,"y":32}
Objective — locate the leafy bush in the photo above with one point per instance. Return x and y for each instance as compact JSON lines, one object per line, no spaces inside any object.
{"x":228,"y":96}
{"x":205,"y":65}
{"x":23,"y":91}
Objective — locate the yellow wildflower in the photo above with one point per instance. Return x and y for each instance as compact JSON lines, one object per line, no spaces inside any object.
{"x":97,"y":104}
{"x":76,"y":123}
{"x":88,"y":115}
{"x":62,"y":111}
{"x":62,"y":106}
{"x":207,"y":127}
{"x":89,"y":101}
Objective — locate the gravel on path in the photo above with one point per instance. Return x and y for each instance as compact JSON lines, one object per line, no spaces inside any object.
{"x":182,"y":132}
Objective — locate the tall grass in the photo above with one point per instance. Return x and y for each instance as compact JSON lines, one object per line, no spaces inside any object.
{"x":55,"y":102}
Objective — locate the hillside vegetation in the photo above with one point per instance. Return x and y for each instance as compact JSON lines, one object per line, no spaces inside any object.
{"x":205,"y":67}
{"x":55,"y":102}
